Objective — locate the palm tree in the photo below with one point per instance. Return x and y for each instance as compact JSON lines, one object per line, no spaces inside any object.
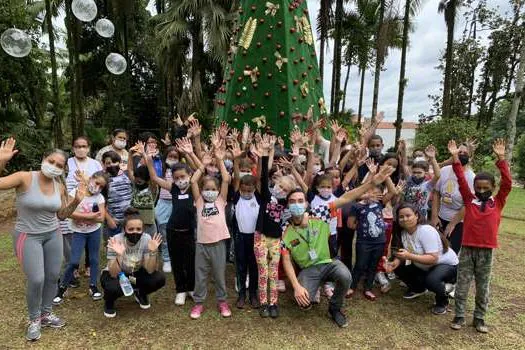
{"x":449,"y":9}
{"x":324,"y":19}
{"x":336,"y":67}
{"x":411,"y":8}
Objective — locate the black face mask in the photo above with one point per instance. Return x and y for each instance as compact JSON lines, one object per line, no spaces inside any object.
{"x":464,"y":159}
{"x":141,"y":186}
{"x":375,"y":153}
{"x":133,"y":238}
{"x":417,"y":180}
{"x":483,"y":196}
{"x":113,"y":170}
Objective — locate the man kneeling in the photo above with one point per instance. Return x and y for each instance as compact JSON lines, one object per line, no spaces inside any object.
{"x":132,"y":258}
{"x":305,"y":240}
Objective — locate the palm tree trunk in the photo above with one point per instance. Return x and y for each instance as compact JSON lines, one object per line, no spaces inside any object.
{"x":347,"y":78}
{"x":472,"y":74}
{"x":70,"y":23}
{"x":337,"y":55}
{"x":402,"y":80}
{"x":511,"y":122}
{"x":361,"y":90}
{"x":324,"y":18}
{"x":379,"y":58}
{"x":450,"y":18}
{"x":57,"y":125}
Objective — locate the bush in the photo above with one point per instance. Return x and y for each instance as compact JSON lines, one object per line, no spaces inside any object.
{"x":519,"y":157}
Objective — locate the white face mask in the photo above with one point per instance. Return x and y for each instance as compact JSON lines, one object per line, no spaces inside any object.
{"x":419,"y":159}
{"x":278,"y":192}
{"x":182,"y":184}
{"x":243,"y":174}
{"x":210,"y":196}
{"x":316,"y":168}
{"x":325,"y":193}
{"x":50,"y":171}
{"x":119,"y":144}
{"x":301,"y":158}
{"x":171,"y":162}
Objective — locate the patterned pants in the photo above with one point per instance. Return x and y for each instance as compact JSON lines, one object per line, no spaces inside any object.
{"x":267,"y":254}
{"x":474,"y":263}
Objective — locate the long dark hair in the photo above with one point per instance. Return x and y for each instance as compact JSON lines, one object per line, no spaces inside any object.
{"x":396,"y":174}
{"x":421,"y":220}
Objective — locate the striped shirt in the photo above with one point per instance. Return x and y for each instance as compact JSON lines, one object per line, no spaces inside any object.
{"x":119,"y":196}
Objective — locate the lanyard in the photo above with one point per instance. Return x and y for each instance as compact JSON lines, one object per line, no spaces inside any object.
{"x":307,"y":241}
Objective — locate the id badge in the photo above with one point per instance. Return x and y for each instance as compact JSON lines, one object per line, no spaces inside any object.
{"x":132,"y":279}
{"x":313,"y":254}
{"x":408,"y":262}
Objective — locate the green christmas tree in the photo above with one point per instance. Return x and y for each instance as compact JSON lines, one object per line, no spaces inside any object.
{"x":272,"y":78}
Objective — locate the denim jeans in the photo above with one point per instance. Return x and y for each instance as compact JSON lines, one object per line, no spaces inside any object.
{"x":164,"y":245}
{"x":78,"y":242}
{"x":367,"y":257}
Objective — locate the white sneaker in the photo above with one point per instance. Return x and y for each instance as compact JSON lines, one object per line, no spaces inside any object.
{"x":166,"y":267}
{"x":180,"y":298}
{"x":247,"y":281}
{"x":317,"y":298}
{"x":383,"y":282}
{"x":450,"y":289}
{"x":281,"y":287}
{"x":391,"y":276}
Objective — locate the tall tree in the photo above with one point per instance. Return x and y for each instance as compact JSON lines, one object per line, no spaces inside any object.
{"x":449,"y":9}
{"x":323,"y":24}
{"x":336,"y":67}
{"x":411,"y":8}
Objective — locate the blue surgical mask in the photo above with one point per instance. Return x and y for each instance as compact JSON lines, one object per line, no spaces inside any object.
{"x":228,"y":163}
{"x":297,"y":209}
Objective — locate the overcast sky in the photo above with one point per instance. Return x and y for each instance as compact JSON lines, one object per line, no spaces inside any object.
{"x":428,"y":43}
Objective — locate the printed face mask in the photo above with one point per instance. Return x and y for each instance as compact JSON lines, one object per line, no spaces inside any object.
{"x":93,"y":188}
{"x":297,"y":209}
{"x":316,"y":168}
{"x":278,"y":192}
{"x":325,"y":193}
{"x":210,"y":196}
{"x":119,"y":144}
{"x":182,"y":184}
{"x":50,"y":170}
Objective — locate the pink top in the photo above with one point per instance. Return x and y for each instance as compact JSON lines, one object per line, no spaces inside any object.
{"x":211,"y":221}
{"x":165,"y":194}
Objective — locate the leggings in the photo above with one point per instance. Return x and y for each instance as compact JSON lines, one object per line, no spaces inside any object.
{"x":40,"y":256}
{"x":181,"y":247}
{"x":267,"y":255}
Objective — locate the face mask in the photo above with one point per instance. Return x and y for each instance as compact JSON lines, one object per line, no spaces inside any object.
{"x":171,"y":162}
{"x":247,"y":196}
{"x":50,"y":170}
{"x":301,"y":158}
{"x":417,"y":180}
{"x":243,"y":174}
{"x":374,"y":153}
{"x":212,"y":172}
{"x":133,"y":238}
{"x":464,"y":159}
{"x":210,"y":196}
{"x":113,"y":170}
{"x":228,"y":163}
{"x":182,"y":184}
{"x":93,"y":188}
{"x":483,"y":196}
{"x":141,"y":186}
{"x":325,"y":193}
{"x":419,"y":159}
{"x":317,"y":168}
{"x":297,"y":209}
{"x":278,"y":192}
{"x":81,"y":153}
{"x":119,"y":144}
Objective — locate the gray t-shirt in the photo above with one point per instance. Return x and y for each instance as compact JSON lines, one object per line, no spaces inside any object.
{"x":448,"y":188}
{"x":133,"y":258}
{"x":426,"y":240}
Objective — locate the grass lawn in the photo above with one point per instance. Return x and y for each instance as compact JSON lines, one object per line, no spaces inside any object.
{"x":390,"y":322}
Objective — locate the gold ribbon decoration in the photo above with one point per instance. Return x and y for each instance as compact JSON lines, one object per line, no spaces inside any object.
{"x":247,"y":33}
{"x":252,"y":73}
{"x":271,"y":9}
{"x":322,"y":106}
{"x":298,"y":24}
{"x":305,"y":89}
{"x":310,"y":114}
{"x":307,"y":31}
{"x":279,"y":60}
{"x":260,"y":121}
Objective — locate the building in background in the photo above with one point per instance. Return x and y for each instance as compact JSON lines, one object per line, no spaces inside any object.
{"x":387,"y":131}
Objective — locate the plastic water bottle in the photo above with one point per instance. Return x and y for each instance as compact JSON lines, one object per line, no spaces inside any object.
{"x":125,"y":284}
{"x":95,"y":208}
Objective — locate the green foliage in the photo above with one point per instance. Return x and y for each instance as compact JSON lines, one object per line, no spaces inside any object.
{"x":440,"y":131}
{"x":520,"y":157}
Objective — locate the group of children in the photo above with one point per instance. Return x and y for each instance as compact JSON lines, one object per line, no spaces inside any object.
{"x":205,"y":198}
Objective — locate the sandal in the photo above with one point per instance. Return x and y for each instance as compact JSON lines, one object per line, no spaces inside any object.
{"x":369,"y":295}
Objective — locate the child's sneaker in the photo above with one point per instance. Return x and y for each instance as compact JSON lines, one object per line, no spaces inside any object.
{"x":196,"y":311}
{"x":60,"y":295}
{"x":264,"y":311}
{"x":383,"y":282}
{"x":95,"y":293}
{"x":180,"y":298}
{"x":457,"y":323}
{"x":281,"y":286}
{"x":49,"y":319}
{"x":480,"y":325}
{"x":274,"y":311}
{"x":33,"y":330}
{"x":369,"y":295}
{"x":109,"y":309}
{"x":224,"y":309}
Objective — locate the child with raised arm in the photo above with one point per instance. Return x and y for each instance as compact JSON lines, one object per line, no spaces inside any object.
{"x":480,"y":233}
{"x":212,"y":231}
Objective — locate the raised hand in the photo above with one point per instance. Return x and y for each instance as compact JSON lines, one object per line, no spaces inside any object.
{"x":295,"y":151}
{"x":472,"y":145}
{"x":285,"y":163}
{"x":154,"y":242}
{"x":216,"y":140}
{"x":335,"y":127}
{"x":256,"y":150}
{"x":245,"y":133}
{"x":7,"y":150}
{"x":280,"y":142}
{"x":296,"y":137}
{"x":184,"y":145}
{"x":371,"y":165}
{"x":177,"y":120}
{"x":117,"y":246}
{"x":206,"y":159}
{"x":266,"y":143}
{"x":430,"y":151}
{"x":81,"y":191}
{"x":219,"y":153}
{"x":236,"y":149}
{"x":138,"y":148}
{"x":401,"y":185}
{"x":453,"y":148}
{"x":272,"y":139}
{"x":167,"y":139}
{"x":257,"y":137}
{"x":223,"y":130}
{"x":195,"y":128}
{"x":341,"y":135}
{"x":384,"y":172}
{"x":234,"y":134}
{"x":401,"y":146}
{"x":499,"y":148}
{"x":80,"y":176}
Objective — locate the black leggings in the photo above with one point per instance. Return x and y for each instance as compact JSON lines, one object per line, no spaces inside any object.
{"x":181,"y":247}
{"x":147,"y":283}
{"x":434,"y":279}
{"x":345,"y":241}
{"x":367,"y":257}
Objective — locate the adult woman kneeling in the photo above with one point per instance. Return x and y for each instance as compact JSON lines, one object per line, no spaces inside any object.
{"x":134,"y":254}
{"x":425,"y":260}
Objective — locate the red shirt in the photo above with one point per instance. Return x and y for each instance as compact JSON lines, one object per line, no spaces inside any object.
{"x":480,"y":228}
